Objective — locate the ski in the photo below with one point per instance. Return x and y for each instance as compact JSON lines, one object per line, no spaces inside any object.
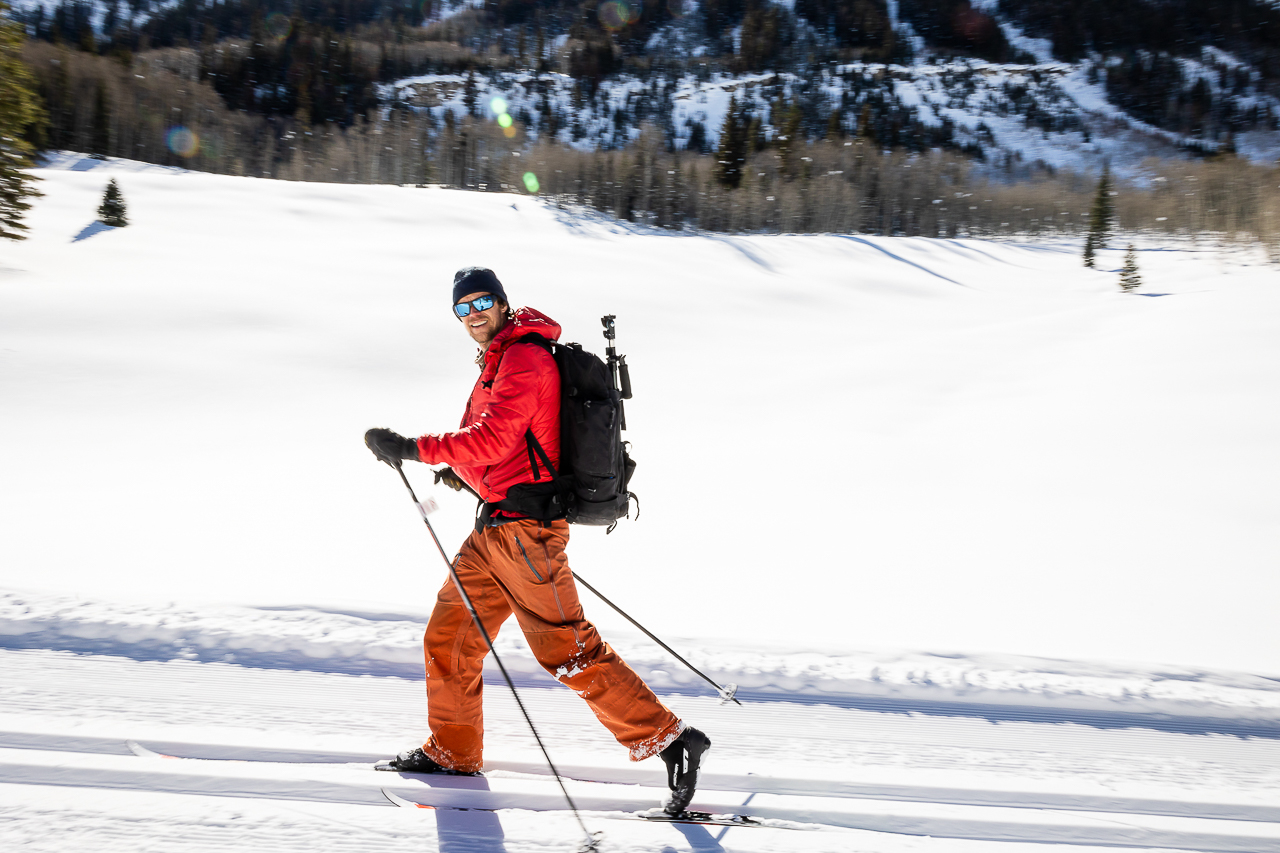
{"x":653,"y":815}
{"x":277,"y":757}
{"x":397,"y":800}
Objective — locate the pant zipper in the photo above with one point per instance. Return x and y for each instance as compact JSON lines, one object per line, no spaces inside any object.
{"x":527,"y":562}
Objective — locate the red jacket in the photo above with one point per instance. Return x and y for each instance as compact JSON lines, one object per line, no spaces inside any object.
{"x":518,"y":388}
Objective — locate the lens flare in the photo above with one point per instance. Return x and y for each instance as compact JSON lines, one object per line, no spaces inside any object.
{"x":504,"y":120}
{"x":183,"y":142}
{"x":279,"y":26}
{"x":614,"y":15}
{"x":531,"y":182}
{"x":498,"y":106}
{"x":509,"y":132}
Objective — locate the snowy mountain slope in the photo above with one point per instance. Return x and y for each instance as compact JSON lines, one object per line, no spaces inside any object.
{"x":950,"y":446}
{"x":1106,"y":103}
{"x":1116,"y":104}
{"x":1054,"y":114}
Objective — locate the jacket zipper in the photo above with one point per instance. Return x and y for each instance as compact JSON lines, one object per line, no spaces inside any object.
{"x":527,"y":562}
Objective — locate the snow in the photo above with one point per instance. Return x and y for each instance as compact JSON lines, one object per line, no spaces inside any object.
{"x":903,"y":29}
{"x":1041,"y":49}
{"x":447,"y":9}
{"x":325,"y":641}
{"x":870,"y":781}
{"x":1012,"y":449}
{"x":987,"y":545}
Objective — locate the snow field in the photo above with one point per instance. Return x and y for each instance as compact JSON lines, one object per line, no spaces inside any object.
{"x":951,"y":477}
{"x":845,"y":443}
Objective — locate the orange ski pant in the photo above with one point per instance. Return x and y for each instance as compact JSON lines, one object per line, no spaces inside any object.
{"x":521,"y":568}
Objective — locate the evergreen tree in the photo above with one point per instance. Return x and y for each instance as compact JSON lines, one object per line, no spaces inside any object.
{"x":111,"y":211}
{"x":789,"y":140}
{"x":1101,"y":219}
{"x":760,"y":36}
{"x":731,"y":155}
{"x":470,"y":94}
{"x":755,"y":136}
{"x":20,"y":113}
{"x":1129,"y":278}
{"x":59,"y":105}
{"x":100,"y":134}
{"x":697,"y":138}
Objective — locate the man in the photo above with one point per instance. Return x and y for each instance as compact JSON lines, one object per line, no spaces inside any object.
{"x":514,"y":564}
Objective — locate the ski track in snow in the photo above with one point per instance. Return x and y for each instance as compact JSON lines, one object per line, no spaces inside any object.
{"x":995,"y":687}
{"x":866,"y":780}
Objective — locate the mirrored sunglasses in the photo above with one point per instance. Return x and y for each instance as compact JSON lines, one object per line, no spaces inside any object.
{"x":480,"y":303}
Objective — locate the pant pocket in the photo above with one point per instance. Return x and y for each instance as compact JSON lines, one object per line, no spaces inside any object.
{"x":541,"y":577}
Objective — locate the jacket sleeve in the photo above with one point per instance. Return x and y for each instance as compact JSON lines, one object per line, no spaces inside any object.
{"x":498,"y":429}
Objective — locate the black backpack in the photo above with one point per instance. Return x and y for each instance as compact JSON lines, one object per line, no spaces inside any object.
{"x":591,"y":486}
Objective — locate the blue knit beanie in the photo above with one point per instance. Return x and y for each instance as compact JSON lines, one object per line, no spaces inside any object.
{"x":477,"y":280}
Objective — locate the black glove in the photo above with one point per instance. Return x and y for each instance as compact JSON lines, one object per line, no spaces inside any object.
{"x":390,"y":447}
{"x":450,"y":479}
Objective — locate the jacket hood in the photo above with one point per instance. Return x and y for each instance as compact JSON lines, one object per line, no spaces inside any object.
{"x":527,"y":321}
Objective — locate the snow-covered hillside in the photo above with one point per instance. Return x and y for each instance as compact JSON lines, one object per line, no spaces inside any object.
{"x":1053,"y":115}
{"x":905,"y":443}
{"x":987,"y":544}
{"x":1034,"y":110}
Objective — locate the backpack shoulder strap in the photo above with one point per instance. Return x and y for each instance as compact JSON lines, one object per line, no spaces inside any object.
{"x":537,"y":340}
{"x":531,"y":443}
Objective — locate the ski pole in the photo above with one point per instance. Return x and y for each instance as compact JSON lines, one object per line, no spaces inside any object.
{"x":592,"y":842}
{"x":726,"y":693}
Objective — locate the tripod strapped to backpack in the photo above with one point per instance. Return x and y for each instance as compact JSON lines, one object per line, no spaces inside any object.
{"x":619,"y":374}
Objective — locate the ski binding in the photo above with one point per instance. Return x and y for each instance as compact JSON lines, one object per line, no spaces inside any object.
{"x":660,"y":816}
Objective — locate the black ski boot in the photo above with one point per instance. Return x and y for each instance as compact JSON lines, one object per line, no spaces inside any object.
{"x":683,"y":757}
{"x":417,"y":761}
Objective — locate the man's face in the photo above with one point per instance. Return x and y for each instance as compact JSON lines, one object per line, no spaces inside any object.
{"x":483,"y":326}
